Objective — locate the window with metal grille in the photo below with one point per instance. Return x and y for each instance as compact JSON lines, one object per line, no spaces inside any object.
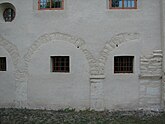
{"x":51,"y":4}
{"x":123,"y":64}
{"x":60,"y":63}
{"x":9,"y":15}
{"x":2,"y":63}
{"x":123,"y":4}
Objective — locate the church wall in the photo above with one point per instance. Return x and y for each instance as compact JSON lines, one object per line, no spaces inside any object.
{"x":39,"y":34}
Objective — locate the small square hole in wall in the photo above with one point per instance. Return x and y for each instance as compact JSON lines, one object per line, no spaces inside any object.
{"x":123,"y":64}
{"x":60,"y":64}
{"x":2,"y":63}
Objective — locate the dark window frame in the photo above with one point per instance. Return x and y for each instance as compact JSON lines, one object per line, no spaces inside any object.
{"x":123,"y":64}
{"x":3,"y":64}
{"x":9,"y":17}
{"x":123,"y":7}
{"x":60,"y":64}
{"x":50,"y":6}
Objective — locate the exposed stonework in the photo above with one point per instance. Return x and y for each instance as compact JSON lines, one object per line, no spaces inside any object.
{"x":150,"y":80}
{"x":97,"y":95}
{"x":151,"y":65}
{"x":21,"y":77}
{"x":111,"y":45}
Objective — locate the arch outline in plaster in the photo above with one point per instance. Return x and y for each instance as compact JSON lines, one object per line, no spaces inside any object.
{"x":111,"y":45}
{"x":79,"y":43}
{"x":12,"y":50}
{"x":15,"y":56}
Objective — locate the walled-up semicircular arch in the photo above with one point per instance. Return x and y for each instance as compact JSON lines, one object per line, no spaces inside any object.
{"x":113,"y":44}
{"x":53,"y":37}
{"x":96,"y":65}
{"x":12,"y":50}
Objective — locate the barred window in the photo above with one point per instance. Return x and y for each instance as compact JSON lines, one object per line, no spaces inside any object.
{"x":123,"y":64}
{"x":2,"y":63}
{"x":51,"y":4}
{"x":9,"y":15}
{"x":123,"y":4}
{"x":60,"y":63}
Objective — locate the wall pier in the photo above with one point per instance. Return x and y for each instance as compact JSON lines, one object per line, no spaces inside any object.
{"x":21,"y":89}
{"x":162,"y":25}
{"x":97,"y":94}
{"x":151,"y":81}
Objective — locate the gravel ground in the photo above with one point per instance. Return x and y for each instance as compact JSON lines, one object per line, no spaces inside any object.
{"x":70,"y":116}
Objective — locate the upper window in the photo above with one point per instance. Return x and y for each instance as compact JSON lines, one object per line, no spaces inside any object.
{"x":51,"y":4}
{"x":9,"y":15}
{"x":2,"y":63}
{"x":60,"y":63}
{"x":123,"y":4}
{"x":123,"y":64}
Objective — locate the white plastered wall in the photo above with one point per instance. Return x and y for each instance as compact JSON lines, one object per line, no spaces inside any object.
{"x":96,"y":24}
{"x":121,"y":91}
{"x":48,"y":89}
{"x":7,"y":81}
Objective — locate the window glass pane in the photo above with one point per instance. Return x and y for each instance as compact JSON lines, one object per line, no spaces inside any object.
{"x":132,"y":3}
{"x":44,"y":4}
{"x":9,"y":15}
{"x":117,"y":3}
{"x":125,"y":3}
{"x":56,"y":3}
{"x":129,"y":3}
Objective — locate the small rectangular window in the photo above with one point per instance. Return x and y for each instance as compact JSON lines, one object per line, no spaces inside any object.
{"x":51,"y":4}
{"x":60,"y":63}
{"x":2,"y":63}
{"x":123,"y":4}
{"x":123,"y":64}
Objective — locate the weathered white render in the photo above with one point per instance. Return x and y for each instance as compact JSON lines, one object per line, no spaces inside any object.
{"x":91,"y":34}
